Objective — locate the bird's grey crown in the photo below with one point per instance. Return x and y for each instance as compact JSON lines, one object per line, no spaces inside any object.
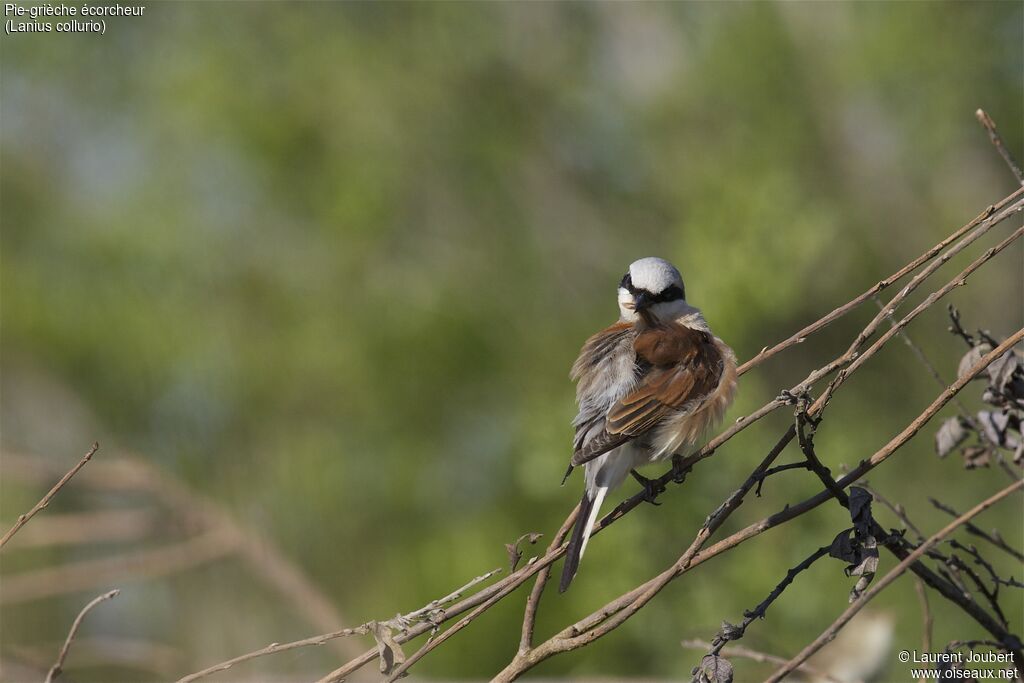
{"x":654,"y":275}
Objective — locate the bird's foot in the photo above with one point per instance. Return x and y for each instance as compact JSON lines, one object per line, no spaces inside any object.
{"x":652,"y":488}
{"x":679,"y":469}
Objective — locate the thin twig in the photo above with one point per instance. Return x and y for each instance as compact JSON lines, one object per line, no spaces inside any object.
{"x":926,"y":615}
{"x":830,"y":633}
{"x":802,"y":465}
{"x":763,"y":658}
{"x":997,"y":541}
{"x":23,"y":519}
{"x":274,"y":648}
{"x":957,"y":281}
{"x":533,"y":602}
{"x":895,"y":508}
{"x":990,"y":595}
{"x":957,"y":644}
{"x":58,"y":666}
{"x":430,"y":645}
{"x":805,"y":438}
{"x":840,"y":311}
{"x":957,"y":329}
{"x":730,"y":632}
{"x":920,"y":354}
{"x":362,"y":629}
{"x":997,"y":140}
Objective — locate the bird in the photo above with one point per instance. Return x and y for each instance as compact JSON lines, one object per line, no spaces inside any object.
{"x":647,"y":388}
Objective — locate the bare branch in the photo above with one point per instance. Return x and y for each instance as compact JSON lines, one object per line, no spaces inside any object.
{"x":997,"y":541}
{"x":274,"y":648}
{"x":956,"y":328}
{"x":362,"y":629}
{"x":802,"y":465}
{"x":926,"y":615}
{"x":731,"y":632}
{"x":895,"y":508}
{"x":23,"y":519}
{"x":932,"y":370}
{"x":399,"y":671}
{"x":882,"y":583}
{"x":533,"y":602}
{"x":839,"y":312}
{"x":997,"y":140}
{"x":58,"y":666}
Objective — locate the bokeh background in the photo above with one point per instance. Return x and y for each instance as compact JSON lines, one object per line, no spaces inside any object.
{"x":325,"y":267}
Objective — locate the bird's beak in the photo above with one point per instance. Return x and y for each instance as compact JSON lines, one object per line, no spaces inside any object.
{"x":641,"y":301}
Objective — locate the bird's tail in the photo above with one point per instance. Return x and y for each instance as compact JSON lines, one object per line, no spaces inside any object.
{"x":589,"y":507}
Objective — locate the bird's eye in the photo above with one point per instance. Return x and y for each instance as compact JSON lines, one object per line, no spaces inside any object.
{"x":627,"y":282}
{"x":673,"y":293}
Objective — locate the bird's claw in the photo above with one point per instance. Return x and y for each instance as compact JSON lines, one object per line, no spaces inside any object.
{"x":679,"y":472}
{"x":652,"y":487}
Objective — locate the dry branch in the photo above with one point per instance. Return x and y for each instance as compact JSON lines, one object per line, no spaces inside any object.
{"x":23,"y":519}
{"x":997,"y":140}
{"x":881,"y":584}
{"x":995,"y":540}
{"x":425,"y":612}
{"x":801,"y":336}
{"x":533,"y":602}
{"x":58,"y":666}
{"x":926,"y":615}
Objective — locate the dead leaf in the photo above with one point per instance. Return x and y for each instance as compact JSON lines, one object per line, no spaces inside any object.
{"x":714,"y":669}
{"x":388,"y":649}
{"x":514,"y":553}
{"x":950,"y":435}
{"x":971,"y":359}
{"x":842,"y":547}
{"x":993,"y":425}
{"x":857,"y":546}
{"x":1002,"y":370}
{"x":865,"y":569}
{"x":860,"y":506}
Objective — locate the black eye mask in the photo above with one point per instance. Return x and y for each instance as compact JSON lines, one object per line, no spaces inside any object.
{"x":673,"y":293}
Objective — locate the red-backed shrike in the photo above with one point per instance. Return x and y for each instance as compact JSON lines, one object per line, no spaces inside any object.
{"x":647,"y":388}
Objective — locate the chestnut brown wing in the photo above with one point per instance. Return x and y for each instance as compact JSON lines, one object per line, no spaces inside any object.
{"x":681,"y":367}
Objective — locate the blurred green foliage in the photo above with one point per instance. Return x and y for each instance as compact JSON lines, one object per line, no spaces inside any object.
{"x":330,"y":263}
